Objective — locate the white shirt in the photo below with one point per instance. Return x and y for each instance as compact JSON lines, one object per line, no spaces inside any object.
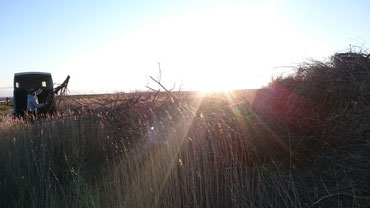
{"x":33,"y":103}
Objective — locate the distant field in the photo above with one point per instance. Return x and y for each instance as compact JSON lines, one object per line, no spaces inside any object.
{"x":92,"y":101}
{"x":6,"y":109}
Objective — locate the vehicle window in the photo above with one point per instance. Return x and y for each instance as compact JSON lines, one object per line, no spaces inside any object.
{"x":43,"y":84}
{"x":17,"y":85}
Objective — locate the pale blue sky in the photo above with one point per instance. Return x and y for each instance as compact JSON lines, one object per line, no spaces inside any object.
{"x":109,"y":46}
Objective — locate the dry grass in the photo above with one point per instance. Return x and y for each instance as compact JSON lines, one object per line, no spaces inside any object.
{"x":303,"y":141}
{"x":6,"y":110}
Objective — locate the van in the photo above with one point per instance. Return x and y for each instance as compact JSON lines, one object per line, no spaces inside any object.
{"x":24,"y":82}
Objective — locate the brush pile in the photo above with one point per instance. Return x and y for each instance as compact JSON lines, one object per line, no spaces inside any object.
{"x":322,"y":113}
{"x":328,"y":100}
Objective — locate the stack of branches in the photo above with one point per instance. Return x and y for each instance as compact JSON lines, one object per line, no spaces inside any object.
{"x":328,"y":102}
{"x":125,"y":115}
{"x":325,"y":98}
{"x":321,"y":112}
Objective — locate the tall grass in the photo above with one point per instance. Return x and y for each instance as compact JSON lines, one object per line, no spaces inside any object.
{"x":214,"y":151}
{"x":81,"y":161}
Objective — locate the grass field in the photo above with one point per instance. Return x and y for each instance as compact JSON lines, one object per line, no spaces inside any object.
{"x":6,"y":109}
{"x":302,"y":141}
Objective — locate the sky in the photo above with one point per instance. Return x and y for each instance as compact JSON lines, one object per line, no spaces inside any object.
{"x":114,"y":46}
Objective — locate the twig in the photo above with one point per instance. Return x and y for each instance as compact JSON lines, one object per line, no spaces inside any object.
{"x":168,"y":91}
{"x":159,"y":83}
{"x":337,"y":194}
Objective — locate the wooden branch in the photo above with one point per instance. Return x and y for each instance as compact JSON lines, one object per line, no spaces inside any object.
{"x":159,"y":83}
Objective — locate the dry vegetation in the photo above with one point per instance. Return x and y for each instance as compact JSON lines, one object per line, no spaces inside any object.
{"x":5,"y":107}
{"x":303,"y":141}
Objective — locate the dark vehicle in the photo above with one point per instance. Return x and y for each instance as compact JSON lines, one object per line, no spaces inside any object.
{"x":26,"y":81}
